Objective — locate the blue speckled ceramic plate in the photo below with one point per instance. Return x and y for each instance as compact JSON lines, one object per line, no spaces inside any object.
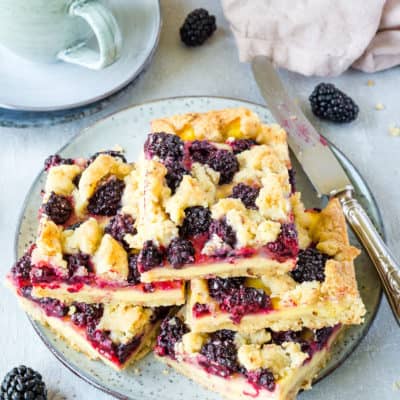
{"x":128,"y":129}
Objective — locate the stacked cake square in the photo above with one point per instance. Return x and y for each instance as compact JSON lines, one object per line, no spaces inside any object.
{"x":204,"y":235}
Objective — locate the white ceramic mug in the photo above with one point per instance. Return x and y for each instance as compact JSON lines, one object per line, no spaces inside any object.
{"x":50,"y":30}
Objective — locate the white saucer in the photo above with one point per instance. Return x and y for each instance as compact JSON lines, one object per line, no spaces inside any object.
{"x":27,"y":86}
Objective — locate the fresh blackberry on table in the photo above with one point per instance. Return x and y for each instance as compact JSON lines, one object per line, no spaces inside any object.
{"x":310,"y":266}
{"x":198,"y":26}
{"x":330,"y":103}
{"x":58,"y":208}
{"x":23,"y":383}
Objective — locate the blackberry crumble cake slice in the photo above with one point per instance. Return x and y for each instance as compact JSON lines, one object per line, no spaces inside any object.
{"x":80,"y":254}
{"x":216,"y":199}
{"x":263,"y":364}
{"x":320,"y":291}
{"x":117,"y":334}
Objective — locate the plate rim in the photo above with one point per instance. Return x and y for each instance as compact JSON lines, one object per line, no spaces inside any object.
{"x":75,"y":370}
{"x":92,"y":100}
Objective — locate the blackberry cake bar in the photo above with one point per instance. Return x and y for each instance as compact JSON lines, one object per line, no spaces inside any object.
{"x":320,"y":291}
{"x":117,"y":334}
{"x":216,"y":199}
{"x":263,"y":364}
{"x":80,"y":253}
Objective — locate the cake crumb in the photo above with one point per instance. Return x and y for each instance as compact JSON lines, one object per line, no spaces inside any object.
{"x":293,"y":117}
{"x":118,"y":147}
{"x":396,"y":385}
{"x":165,"y":372}
{"x":394,"y":130}
{"x":136,"y":371}
{"x":370,"y":83}
{"x":379,"y":106}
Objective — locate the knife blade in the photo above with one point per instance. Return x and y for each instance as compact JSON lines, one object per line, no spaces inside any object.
{"x":310,"y":148}
{"x":327,"y":175}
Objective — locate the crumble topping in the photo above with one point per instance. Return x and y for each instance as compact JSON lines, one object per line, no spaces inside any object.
{"x":102,"y":167}
{"x":111,"y":260}
{"x":60,"y":180}
{"x":85,"y":238}
{"x":124,"y":321}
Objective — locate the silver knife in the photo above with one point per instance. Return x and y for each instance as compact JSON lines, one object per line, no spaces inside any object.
{"x":327,"y":175}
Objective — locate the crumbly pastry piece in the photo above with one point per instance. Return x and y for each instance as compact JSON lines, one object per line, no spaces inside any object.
{"x":320,"y":291}
{"x":263,"y":365}
{"x":216,"y":190}
{"x":118,"y":334}
{"x":80,"y":254}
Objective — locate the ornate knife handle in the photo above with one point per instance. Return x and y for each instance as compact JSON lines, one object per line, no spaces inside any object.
{"x":387,"y":267}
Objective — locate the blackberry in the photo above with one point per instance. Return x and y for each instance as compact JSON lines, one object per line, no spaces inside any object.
{"x":58,"y":208}
{"x":321,"y":336}
{"x":106,"y":200}
{"x":119,"y":226}
{"x":242,"y":145}
{"x":247,"y":194}
{"x":286,"y":245}
{"x":171,"y":332}
{"x":220,"y":354}
{"x":73,"y":226}
{"x":285,"y":336}
{"x":76,"y":262}
{"x":42,"y":274}
{"x":200,"y":310}
{"x":222,"y":229}
{"x":310,"y":266}
{"x":23,"y":383}
{"x":124,"y":351}
{"x":76,"y":180}
{"x":22,"y":268}
{"x":53,"y":307}
{"x":198,"y":26}
{"x":200,"y":151}
{"x":330,"y":103}
{"x":164,"y":146}
{"x":220,"y":288}
{"x":174,"y":176}
{"x":112,"y":153}
{"x":149,"y":257}
{"x":134,"y":274}
{"x":179,"y":252}
{"x":87,"y":314}
{"x":262,"y":377}
{"x":224,"y":162}
{"x":245,"y":300}
{"x":54,"y":160}
{"x":292,"y":179}
{"x":197,"y":221}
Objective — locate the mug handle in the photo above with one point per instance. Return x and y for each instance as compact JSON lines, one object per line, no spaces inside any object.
{"x":108,"y":35}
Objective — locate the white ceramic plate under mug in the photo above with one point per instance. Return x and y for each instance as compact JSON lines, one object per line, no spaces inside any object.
{"x":128,"y":128}
{"x":27,"y":86}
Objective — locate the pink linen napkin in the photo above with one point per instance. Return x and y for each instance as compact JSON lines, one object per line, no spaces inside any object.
{"x":318,"y":37}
